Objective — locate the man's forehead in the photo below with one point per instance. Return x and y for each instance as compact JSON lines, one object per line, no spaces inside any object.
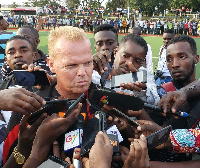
{"x":105,"y":35}
{"x":24,"y":31}
{"x":17,"y":43}
{"x":168,"y":35}
{"x":179,"y":46}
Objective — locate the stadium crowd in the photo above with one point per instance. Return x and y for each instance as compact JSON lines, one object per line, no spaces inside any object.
{"x":102,"y":110}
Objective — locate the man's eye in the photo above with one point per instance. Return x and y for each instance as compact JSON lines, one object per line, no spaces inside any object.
{"x":182,"y":57}
{"x":89,"y":63}
{"x":24,"y":51}
{"x":99,"y":43}
{"x":169,"y":59}
{"x":140,"y":61}
{"x":11,"y":52}
{"x":71,"y":65}
{"x":26,"y":37}
{"x":126,"y":56}
{"x":110,"y":43}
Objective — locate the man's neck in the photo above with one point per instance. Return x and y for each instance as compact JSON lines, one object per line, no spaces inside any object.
{"x":38,"y":55}
{"x":182,"y":84}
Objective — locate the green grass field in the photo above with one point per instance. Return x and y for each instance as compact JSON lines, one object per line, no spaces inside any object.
{"x":154,"y":41}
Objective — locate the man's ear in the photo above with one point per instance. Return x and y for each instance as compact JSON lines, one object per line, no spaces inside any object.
{"x":115,"y":50}
{"x":196,"y":59}
{"x":34,"y":56}
{"x":51,"y":64}
{"x":37,"y":41}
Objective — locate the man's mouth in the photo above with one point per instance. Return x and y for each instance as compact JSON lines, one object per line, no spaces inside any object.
{"x":177,"y":73}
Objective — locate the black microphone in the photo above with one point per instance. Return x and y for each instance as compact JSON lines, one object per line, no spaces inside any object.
{"x":111,"y":98}
{"x":159,"y":109}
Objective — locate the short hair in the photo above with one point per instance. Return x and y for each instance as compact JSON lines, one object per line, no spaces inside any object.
{"x":105,"y":27}
{"x":69,"y":32}
{"x":18,"y":37}
{"x":135,"y":30}
{"x":169,"y":31}
{"x":185,"y":38}
{"x":135,"y":39}
{"x":33,"y":30}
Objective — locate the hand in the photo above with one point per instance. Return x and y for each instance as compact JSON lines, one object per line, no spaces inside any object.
{"x":50,"y":129}
{"x":100,"y":61}
{"x":138,"y":156}
{"x":32,"y":67}
{"x":84,"y":160}
{"x":141,"y":114}
{"x":20,"y":100}
{"x":27,"y":134}
{"x":101,"y":152}
{"x":60,"y":154}
{"x":137,"y":86}
{"x":173,"y":100}
{"x":124,"y":68}
{"x":124,"y":152}
{"x":146,"y":127}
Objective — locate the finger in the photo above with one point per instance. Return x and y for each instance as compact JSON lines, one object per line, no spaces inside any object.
{"x":135,"y":87}
{"x":22,"y":125}
{"x":31,"y":67}
{"x":99,"y":138}
{"x":140,"y":85}
{"x":95,"y":67}
{"x":125,"y":86}
{"x":135,"y":146}
{"x":75,"y":112}
{"x":107,"y":54}
{"x":132,"y":113}
{"x":67,"y":159}
{"x":37,"y":123}
{"x":131,"y":67}
{"x":21,"y":110}
{"x":148,"y":128}
{"x":77,"y":154}
{"x":143,"y":146}
{"x":36,"y":68}
{"x":178,"y":102}
{"x":98,"y":61}
{"x":143,"y":138}
{"x":77,"y":150}
{"x":31,"y":98}
{"x":25,"y":66}
{"x":106,"y":139}
{"x":103,"y":59}
{"x":56,"y":149}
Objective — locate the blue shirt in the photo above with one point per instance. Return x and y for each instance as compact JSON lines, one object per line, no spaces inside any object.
{"x":4,"y":37}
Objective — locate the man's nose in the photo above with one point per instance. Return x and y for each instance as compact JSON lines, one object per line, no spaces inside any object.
{"x":176,"y":63}
{"x":105,"y":47}
{"x":18,"y":54}
{"x":81,"y":70}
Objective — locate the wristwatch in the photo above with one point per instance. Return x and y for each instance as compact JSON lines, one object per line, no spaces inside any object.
{"x":19,"y":158}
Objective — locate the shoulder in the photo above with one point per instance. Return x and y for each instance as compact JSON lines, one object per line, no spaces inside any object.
{"x":161,"y":91}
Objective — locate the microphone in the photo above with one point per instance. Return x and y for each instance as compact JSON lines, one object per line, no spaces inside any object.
{"x":111,"y":98}
{"x":73,"y":138}
{"x":159,"y":109}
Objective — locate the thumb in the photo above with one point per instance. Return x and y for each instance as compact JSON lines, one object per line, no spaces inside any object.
{"x":131,"y":67}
